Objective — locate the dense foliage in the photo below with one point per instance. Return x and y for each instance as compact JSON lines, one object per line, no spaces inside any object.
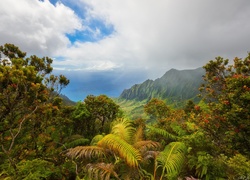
{"x":175,"y":85}
{"x":42,"y":138}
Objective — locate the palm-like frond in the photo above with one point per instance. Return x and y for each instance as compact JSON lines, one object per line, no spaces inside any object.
{"x":178,"y":129}
{"x":96,"y":139}
{"x":150,"y":155}
{"x":162,"y":132}
{"x":144,"y":146}
{"x":124,"y":129}
{"x":121,"y":148}
{"x":101,"y":171}
{"x":138,"y":136}
{"x":86,"y":152}
{"x":172,"y":158}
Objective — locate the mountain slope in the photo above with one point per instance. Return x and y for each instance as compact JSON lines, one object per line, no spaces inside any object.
{"x":67,"y":101}
{"x":174,"y":85}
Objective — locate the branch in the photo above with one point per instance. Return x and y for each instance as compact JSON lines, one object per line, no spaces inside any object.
{"x":19,"y":129}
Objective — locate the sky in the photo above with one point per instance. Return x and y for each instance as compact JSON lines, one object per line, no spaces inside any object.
{"x":106,"y":46}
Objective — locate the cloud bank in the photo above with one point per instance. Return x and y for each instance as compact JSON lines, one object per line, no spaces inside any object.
{"x":134,"y":36}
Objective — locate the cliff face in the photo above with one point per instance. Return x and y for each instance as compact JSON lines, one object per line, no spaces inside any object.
{"x":174,"y":85}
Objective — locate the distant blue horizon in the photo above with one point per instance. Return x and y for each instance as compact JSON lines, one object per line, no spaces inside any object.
{"x":110,"y":83}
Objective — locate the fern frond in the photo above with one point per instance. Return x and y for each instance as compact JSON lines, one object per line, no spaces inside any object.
{"x":145,"y":175}
{"x":162,"y":132}
{"x":101,"y":171}
{"x":138,"y":136}
{"x":124,"y":129}
{"x":172,"y":158}
{"x":96,"y":139}
{"x":150,"y":155}
{"x":86,"y":152}
{"x":144,"y":146}
{"x":178,"y":129}
{"x":123,"y":149}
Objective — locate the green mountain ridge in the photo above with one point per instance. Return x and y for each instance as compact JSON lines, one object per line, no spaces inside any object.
{"x":174,"y":85}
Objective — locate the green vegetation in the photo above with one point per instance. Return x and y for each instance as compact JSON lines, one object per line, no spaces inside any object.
{"x":174,"y":86}
{"x":132,"y":109}
{"x":42,"y":137}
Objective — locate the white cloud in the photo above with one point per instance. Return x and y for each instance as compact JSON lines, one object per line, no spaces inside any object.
{"x":37,"y":26}
{"x":152,"y":35}
{"x":165,"y":34}
{"x":103,"y":65}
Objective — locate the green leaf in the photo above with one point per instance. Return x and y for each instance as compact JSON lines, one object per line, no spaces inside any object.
{"x":162,"y":132}
{"x":124,"y":129}
{"x":123,"y":149}
{"x":96,"y":139}
{"x":171,"y":159}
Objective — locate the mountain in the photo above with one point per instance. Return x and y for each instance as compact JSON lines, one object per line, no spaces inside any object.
{"x":173,"y":86}
{"x":67,"y":101}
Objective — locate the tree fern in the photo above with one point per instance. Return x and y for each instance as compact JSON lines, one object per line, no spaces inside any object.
{"x":124,"y":129}
{"x":162,"y":132}
{"x":171,"y":159}
{"x":149,"y":155}
{"x":86,"y":152}
{"x":139,"y":134}
{"x":144,"y":146}
{"x":96,"y":139}
{"x":178,"y":129}
{"x":121,"y":148}
{"x":101,"y":171}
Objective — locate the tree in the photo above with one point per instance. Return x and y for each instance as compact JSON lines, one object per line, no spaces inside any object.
{"x":103,"y":111}
{"x":190,"y":106}
{"x":156,"y":108}
{"x":28,"y":105}
{"x":82,"y":122}
{"x":227,"y":91}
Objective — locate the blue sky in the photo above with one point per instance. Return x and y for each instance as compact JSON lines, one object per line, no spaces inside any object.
{"x":105,"y":46}
{"x":96,"y":29}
